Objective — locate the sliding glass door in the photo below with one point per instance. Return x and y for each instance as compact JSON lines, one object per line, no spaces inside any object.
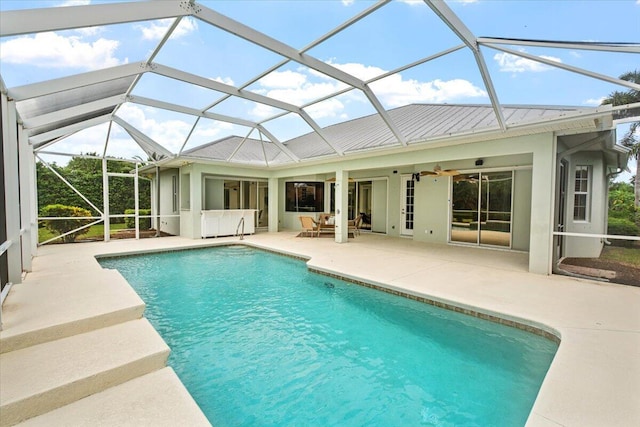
{"x":481,"y":208}
{"x":464,"y":208}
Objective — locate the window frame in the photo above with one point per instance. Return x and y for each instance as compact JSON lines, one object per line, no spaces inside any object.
{"x":293,"y":187}
{"x":174,"y":194}
{"x":583,"y":193}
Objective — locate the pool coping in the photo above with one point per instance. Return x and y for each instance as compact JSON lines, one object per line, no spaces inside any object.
{"x":591,"y":379}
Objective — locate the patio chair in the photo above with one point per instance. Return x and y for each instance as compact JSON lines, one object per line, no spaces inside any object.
{"x":309,"y":226}
{"x":326,"y":223}
{"x":354,"y":225}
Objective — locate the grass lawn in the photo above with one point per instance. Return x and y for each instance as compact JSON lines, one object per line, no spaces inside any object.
{"x":629,"y":256}
{"x":95,"y":231}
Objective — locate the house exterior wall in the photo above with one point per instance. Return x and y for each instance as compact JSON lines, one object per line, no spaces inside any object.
{"x":213,"y":193}
{"x":169,"y":225}
{"x":597,"y":216}
{"x":532,"y":159}
{"x":521,"y":225}
{"x":379,"y":206}
{"x":290,"y":220}
{"x":202,"y":188}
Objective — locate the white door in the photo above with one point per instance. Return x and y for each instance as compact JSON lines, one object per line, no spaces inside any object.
{"x":406,"y":205}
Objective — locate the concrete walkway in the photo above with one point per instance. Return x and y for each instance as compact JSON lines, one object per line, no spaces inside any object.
{"x":594,"y":379}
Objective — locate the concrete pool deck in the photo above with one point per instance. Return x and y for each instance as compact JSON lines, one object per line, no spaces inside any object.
{"x":594,"y":379}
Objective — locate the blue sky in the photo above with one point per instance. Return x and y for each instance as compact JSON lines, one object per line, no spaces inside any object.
{"x":394,"y":35}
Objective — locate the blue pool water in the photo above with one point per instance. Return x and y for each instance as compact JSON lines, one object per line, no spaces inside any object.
{"x":258,"y":340}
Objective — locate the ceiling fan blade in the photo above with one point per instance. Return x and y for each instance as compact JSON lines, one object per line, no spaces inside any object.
{"x":449,"y":172}
{"x":428,"y":173}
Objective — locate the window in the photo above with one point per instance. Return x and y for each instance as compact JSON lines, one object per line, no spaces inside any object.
{"x":185,"y":191}
{"x":304,"y":196}
{"x":581,"y":194}
{"x":174,"y":193}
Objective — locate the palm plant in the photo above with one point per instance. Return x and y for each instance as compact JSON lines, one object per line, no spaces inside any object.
{"x":630,"y":139}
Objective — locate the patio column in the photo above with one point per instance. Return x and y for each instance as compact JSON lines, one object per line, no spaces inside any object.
{"x":196,"y":201}
{"x":542,"y":207}
{"x":342,"y":206}
{"x":25,"y":153}
{"x":273,"y":205}
{"x":11,"y":190}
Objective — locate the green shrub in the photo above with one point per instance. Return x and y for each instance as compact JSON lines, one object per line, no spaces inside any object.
{"x":130,"y":222}
{"x":61,"y":226}
{"x":621,"y":202}
{"x":622,"y":226}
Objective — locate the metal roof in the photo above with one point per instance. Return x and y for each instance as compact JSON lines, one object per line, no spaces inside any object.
{"x":419,"y":122}
{"x":55,"y":109}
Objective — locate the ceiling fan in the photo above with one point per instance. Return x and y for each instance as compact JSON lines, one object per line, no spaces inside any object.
{"x":438,"y":171}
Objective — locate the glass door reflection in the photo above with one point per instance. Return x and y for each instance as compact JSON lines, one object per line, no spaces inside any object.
{"x":464,"y":208}
{"x":495,"y":209}
{"x":481,"y":208}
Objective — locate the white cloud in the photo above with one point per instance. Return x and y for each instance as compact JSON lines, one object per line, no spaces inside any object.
{"x":74,"y":3}
{"x":89,"y":31}
{"x":212,"y":130}
{"x":517,"y":64}
{"x":330,"y":108}
{"x":171,"y":134}
{"x":91,"y":140}
{"x":225,"y":80}
{"x":55,"y":51}
{"x":262,"y":111}
{"x":395,"y":91}
{"x":297,"y":88}
{"x":347,"y":2}
{"x":305,"y":85}
{"x":304,"y":93}
{"x":417,"y":2}
{"x":156,"y":30}
{"x":283,"y":79}
{"x":361,"y":71}
{"x":593,"y":101}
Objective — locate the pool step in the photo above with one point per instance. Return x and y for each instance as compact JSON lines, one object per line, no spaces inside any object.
{"x":46,"y":308}
{"x":156,"y":399}
{"x":50,"y":375}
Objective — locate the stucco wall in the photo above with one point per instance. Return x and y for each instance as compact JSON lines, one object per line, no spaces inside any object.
{"x":521,"y":225}
{"x":595,"y":224}
{"x":531,"y":157}
{"x":213,"y":193}
{"x":169,"y":225}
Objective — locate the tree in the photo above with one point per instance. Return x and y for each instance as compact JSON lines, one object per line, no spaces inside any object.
{"x":621,"y":202}
{"x":630,"y":139}
{"x":85,"y":174}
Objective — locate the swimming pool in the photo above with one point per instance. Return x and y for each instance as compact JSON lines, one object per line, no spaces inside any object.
{"x":257,"y":339}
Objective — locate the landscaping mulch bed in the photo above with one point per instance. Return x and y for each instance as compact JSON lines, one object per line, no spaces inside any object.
{"x":626,"y":274}
{"x":131,"y":234}
{"x":125,"y":234}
